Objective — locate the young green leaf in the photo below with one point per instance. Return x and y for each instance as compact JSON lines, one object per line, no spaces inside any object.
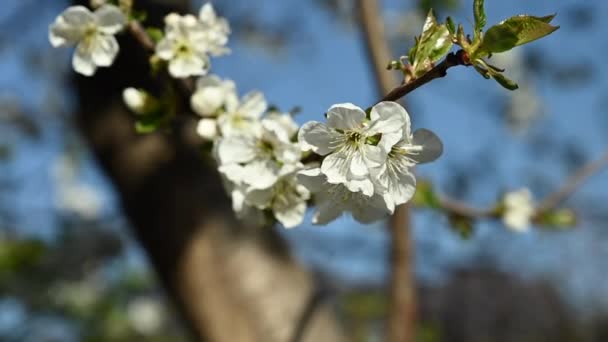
{"x":449,"y":23}
{"x":480,"y":16}
{"x":515,"y":31}
{"x":505,"y":82}
{"x":433,"y":44}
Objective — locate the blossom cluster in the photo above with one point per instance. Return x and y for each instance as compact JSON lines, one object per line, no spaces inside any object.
{"x":359,"y":162}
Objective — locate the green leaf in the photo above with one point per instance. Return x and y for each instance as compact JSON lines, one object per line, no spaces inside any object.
{"x":505,"y":82}
{"x":149,"y":123}
{"x":425,"y":196}
{"x":155,"y":34}
{"x":449,"y":23}
{"x":433,"y":44}
{"x":480,"y":15}
{"x":515,"y":31}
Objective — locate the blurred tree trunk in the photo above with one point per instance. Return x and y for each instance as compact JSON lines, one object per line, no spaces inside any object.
{"x":229,"y":283}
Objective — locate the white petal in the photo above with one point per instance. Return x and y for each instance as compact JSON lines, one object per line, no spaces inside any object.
{"x":327,"y":212}
{"x":401,"y":188}
{"x":368,"y":214}
{"x":207,"y":13}
{"x":235,"y":173}
{"x":135,"y":99}
{"x":432,"y":147}
{"x":187,"y":65}
{"x":374,"y":155}
{"x":336,"y":167}
{"x":70,"y":25}
{"x":312,"y":179}
{"x":104,"y":49}
{"x":345,"y":116}
{"x":236,"y":150}
{"x":110,"y":19}
{"x":290,"y":216}
{"x":207,"y":101}
{"x":318,"y":137}
{"x":364,"y":186}
{"x":388,"y":140}
{"x":164,"y":49}
{"x":387,"y":117}
{"x":253,"y":105}
{"x":207,"y":129}
{"x":259,"y":198}
{"x":358,"y":168}
{"x":82,"y":61}
{"x":261,"y":174}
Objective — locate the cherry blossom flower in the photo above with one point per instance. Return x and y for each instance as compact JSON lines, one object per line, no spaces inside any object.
{"x":189,"y":41}
{"x":333,"y":200}
{"x":92,"y":33}
{"x":395,"y":176}
{"x":352,"y":144}
{"x":518,"y":210}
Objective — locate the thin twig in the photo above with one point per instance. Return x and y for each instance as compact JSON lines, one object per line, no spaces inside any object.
{"x":401,"y":322}
{"x":440,"y":70}
{"x":459,"y":208}
{"x":572,"y":183}
{"x":138,"y":32}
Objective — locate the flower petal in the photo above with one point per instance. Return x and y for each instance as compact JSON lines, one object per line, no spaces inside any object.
{"x":207,"y":129}
{"x":259,"y":198}
{"x":164,"y":49}
{"x":110,"y":19}
{"x":327,"y":212}
{"x":207,"y":13}
{"x":388,"y":117}
{"x":432,"y":147}
{"x":253,"y":105}
{"x":261,"y":174}
{"x":345,"y":116}
{"x":82,"y":61}
{"x":188,"y":65}
{"x":104,"y":49}
{"x":290,"y":216}
{"x":312,"y":179}
{"x":336,"y":167}
{"x":319,"y":138}
{"x":70,"y":25}
{"x":236,"y":149}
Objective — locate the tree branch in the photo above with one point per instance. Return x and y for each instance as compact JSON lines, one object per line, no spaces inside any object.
{"x":572,"y":183}
{"x":440,"y":70}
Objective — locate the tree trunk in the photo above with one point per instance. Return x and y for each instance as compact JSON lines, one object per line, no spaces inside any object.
{"x":229,"y":282}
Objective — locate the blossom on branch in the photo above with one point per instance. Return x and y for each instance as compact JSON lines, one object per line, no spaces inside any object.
{"x":189,"y":41}
{"x":92,"y":33}
{"x":518,"y":210}
{"x":395,"y":176}
{"x":353,"y":143}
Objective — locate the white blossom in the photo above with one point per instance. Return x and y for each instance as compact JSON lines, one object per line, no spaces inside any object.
{"x":92,"y":33}
{"x":257,"y":159}
{"x":286,"y":198}
{"x":395,"y":176}
{"x":333,"y":200}
{"x":518,"y":210}
{"x":212,"y":94}
{"x":243,"y":117}
{"x":216,"y":29}
{"x":189,"y":41}
{"x":146,"y":315}
{"x":352,"y":143}
{"x":207,"y":129}
{"x":136,"y":100}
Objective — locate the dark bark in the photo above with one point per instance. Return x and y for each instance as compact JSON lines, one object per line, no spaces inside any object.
{"x":228,"y":281}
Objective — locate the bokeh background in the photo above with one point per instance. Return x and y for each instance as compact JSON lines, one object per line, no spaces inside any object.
{"x":70,"y":270}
